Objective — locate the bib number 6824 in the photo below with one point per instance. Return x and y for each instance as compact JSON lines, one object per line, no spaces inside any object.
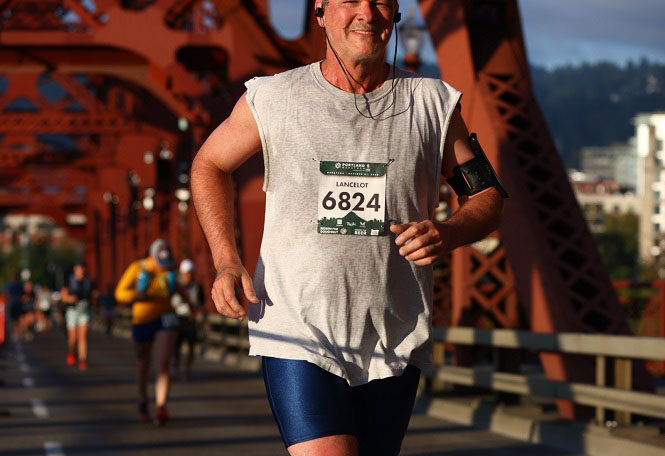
{"x":346,"y":200}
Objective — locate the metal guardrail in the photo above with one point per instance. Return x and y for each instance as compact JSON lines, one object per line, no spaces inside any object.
{"x":226,"y":339}
{"x":644,"y":305}
{"x":573,"y":343}
{"x":620,"y":398}
{"x":220,"y":338}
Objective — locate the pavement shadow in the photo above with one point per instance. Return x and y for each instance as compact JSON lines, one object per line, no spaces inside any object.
{"x":117,"y":448}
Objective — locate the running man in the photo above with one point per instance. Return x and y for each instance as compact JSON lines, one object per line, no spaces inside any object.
{"x":28,"y":317}
{"x":187,"y":309}
{"x":341,"y":302}
{"x":44,"y":306}
{"x":107,"y":304}
{"x":15,"y":305}
{"x":148,"y":285}
{"x":77,"y":298}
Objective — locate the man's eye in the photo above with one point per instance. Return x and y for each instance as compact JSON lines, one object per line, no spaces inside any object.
{"x":382,"y":5}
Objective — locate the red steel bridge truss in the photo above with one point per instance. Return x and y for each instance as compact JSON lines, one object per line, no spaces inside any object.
{"x":104,"y":102}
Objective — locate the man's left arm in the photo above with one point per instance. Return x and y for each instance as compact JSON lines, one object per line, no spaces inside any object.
{"x":423,"y":242}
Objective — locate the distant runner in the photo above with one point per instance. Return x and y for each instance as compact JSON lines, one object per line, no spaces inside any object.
{"x":77,"y":298}
{"x":148,"y":285}
{"x":187,"y":309}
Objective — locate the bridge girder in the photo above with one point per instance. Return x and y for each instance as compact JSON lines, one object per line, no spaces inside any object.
{"x":562,"y":284}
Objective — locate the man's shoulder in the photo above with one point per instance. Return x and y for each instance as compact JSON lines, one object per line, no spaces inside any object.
{"x":15,"y":288}
{"x":279,"y":81}
{"x":135,"y":266}
{"x":425,"y":82}
{"x":429,"y":88}
{"x":295,"y":73}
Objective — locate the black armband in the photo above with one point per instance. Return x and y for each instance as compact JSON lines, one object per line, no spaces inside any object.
{"x":476,"y":174}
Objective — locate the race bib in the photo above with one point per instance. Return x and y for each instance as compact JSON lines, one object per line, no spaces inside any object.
{"x":352,"y":198}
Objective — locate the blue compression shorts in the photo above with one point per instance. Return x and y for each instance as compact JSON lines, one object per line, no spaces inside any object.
{"x":309,"y":402}
{"x":145,"y":332}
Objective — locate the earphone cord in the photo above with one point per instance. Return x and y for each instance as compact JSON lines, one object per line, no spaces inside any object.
{"x":392,"y":84}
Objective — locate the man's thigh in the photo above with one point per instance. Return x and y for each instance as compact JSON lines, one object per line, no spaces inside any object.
{"x":143,"y":350}
{"x":382,"y":410}
{"x":71,"y":318}
{"x":165,"y":343}
{"x":308,"y":403}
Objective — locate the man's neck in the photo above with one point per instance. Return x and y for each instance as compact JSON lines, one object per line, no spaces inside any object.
{"x":364,"y":76}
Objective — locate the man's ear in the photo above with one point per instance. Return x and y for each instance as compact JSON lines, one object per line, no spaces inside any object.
{"x":319,"y":19}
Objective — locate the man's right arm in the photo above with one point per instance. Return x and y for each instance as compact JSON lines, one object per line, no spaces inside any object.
{"x":230,"y":145}
{"x":125,"y":291}
{"x":67,"y":294}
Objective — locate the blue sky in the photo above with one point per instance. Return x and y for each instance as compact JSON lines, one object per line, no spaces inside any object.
{"x":557,"y":32}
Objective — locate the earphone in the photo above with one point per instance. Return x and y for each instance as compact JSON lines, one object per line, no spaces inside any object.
{"x":318,"y":12}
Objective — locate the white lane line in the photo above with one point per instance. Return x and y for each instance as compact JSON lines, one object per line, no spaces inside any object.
{"x":24,"y":367}
{"x":39,"y":408}
{"x":28,"y":382}
{"x":53,"y":449}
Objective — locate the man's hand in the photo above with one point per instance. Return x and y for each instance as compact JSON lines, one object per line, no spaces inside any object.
{"x":223,"y":290}
{"x":420,"y":242}
{"x":66,"y":296}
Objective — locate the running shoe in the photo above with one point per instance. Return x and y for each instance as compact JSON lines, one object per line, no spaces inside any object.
{"x":144,"y":415}
{"x":162,"y":416}
{"x":71,"y":359}
{"x":83,"y":365}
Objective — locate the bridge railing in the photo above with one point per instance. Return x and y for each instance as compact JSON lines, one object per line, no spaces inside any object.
{"x":225,"y":339}
{"x":644,"y":306}
{"x":219,"y":338}
{"x":619,"y":397}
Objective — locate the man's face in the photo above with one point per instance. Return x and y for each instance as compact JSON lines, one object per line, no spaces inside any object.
{"x":359,"y":30}
{"x":79,"y":271}
{"x":163,"y":256}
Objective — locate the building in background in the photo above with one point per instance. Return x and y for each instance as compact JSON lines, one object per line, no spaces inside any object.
{"x":607,"y":182}
{"x":650,"y":140}
{"x":600,"y":197}
{"x":616,"y":162}
{"x":628,"y":178}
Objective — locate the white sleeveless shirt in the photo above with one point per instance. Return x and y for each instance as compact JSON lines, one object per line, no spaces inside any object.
{"x":333,"y":288}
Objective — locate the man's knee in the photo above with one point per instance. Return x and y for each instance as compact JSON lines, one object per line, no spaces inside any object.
{"x":142,"y":350}
{"x":333,"y":445}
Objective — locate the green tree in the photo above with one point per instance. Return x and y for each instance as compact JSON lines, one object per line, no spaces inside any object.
{"x":47,"y":264}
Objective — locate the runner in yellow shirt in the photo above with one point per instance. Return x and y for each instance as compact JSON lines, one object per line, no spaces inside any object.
{"x":148,"y":285}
